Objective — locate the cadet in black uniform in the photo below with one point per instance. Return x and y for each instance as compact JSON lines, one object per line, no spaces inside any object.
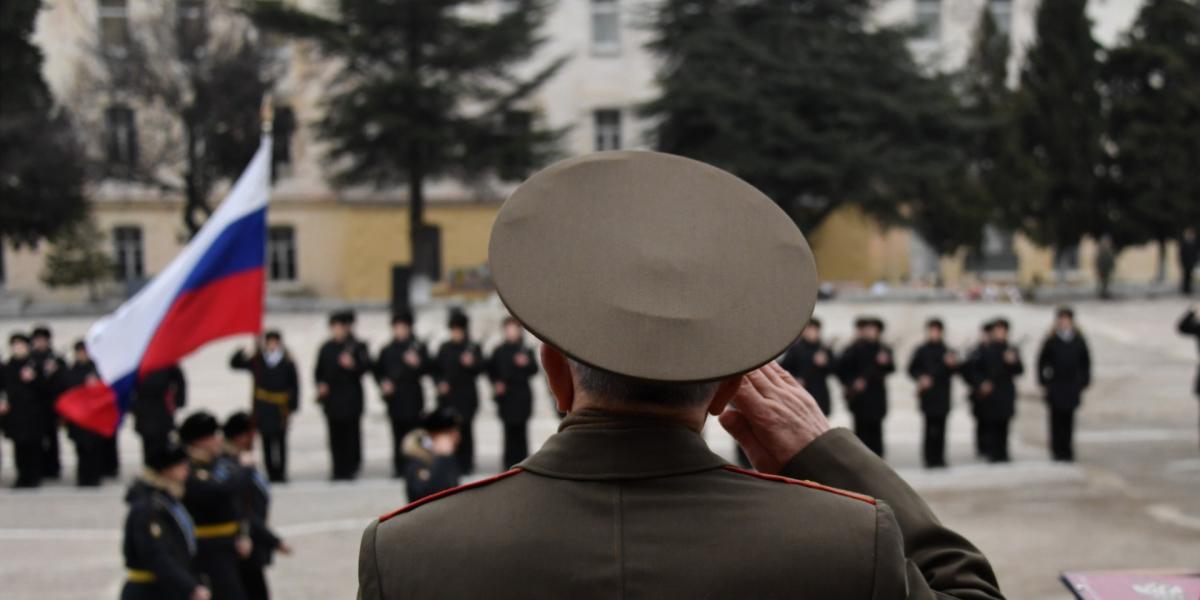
{"x":160,"y":538}
{"x":276,"y":397}
{"x":50,"y":385}
{"x":398,"y":370}
{"x":459,"y":362}
{"x":863,"y":368}
{"x":256,"y":502}
{"x":1064,"y":370}
{"x":89,"y":446}
{"x":341,"y":363}
{"x":811,"y":362}
{"x":213,"y":496}
{"x":933,"y":366}
{"x":156,"y":398}
{"x":24,"y":418}
{"x":431,"y":466}
{"x":510,"y":367}
{"x":991,"y":370}
{"x":1190,"y":325}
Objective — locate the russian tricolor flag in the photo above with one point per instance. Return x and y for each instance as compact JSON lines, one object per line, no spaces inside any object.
{"x":213,"y":289}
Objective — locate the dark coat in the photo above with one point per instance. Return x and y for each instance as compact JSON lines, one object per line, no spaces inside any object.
{"x":516,"y":403}
{"x":1190,"y":325}
{"x":426,"y":473}
{"x":214,"y":491}
{"x":255,"y":499}
{"x":159,"y":539}
{"x":449,"y":368}
{"x":798,"y":361}
{"x":345,"y":399}
{"x":407,"y":400}
{"x":51,"y":382}
{"x":1065,"y":370}
{"x":25,"y":421}
{"x":860,"y":361}
{"x":1189,"y":253}
{"x":156,"y":398}
{"x":930,"y":359}
{"x":276,"y":390}
{"x":629,"y":507}
{"x":987,"y":364}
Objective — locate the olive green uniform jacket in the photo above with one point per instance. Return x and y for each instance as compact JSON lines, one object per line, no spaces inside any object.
{"x":629,"y":507}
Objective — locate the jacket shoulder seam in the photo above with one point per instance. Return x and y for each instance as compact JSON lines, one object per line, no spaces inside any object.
{"x":808,"y":484}
{"x":450,"y":492}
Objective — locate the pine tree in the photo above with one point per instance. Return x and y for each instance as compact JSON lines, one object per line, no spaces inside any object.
{"x":41,"y":163}
{"x":1059,"y":126}
{"x":1152,"y":88}
{"x":424,"y":91}
{"x":75,"y":258}
{"x":803,"y":99}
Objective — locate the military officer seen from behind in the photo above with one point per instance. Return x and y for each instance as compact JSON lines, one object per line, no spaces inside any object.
{"x":430,"y":465}
{"x":810,"y":363}
{"x":456,"y":369}
{"x":341,"y":363}
{"x":992,"y":369}
{"x":276,"y":397}
{"x":510,"y":368}
{"x":863,"y":368}
{"x":932,"y":367}
{"x":255,"y":498}
{"x":1064,"y":370}
{"x":213,"y":496}
{"x":398,"y":370}
{"x":621,"y":263}
{"x":160,"y":541}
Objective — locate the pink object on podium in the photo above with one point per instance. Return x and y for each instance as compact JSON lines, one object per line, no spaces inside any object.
{"x":1133,"y":585}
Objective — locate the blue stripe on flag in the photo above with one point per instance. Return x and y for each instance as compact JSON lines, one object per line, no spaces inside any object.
{"x":240,"y":247}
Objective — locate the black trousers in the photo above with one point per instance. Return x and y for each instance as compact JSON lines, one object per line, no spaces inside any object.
{"x":111,"y":463}
{"x":465,"y":453}
{"x":400,"y":427}
{"x":1062,"y":430}
{"x":254,"y":580}
{"x":89,"y":460}
{"x":516,"y":442}
{"x":995,"y":439}
{"x":274,"y":449}
{"x":51,"y":455}
{"x":980,"y":438}
{"x":152,"y":443}
{"x":217,"y":562}
{"x":345,"y":447}
{"x":1185,"y":284}
{"x":935,"y":441}
{"x":869,"y":429}
{"x":28,"y":456}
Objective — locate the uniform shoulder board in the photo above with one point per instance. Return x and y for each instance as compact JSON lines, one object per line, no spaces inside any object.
{"x":451,"y":492}
{"x":808,"y":484}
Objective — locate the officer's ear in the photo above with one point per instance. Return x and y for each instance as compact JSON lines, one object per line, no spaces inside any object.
{"x":725,"y":393}
{"x":558,"y":376}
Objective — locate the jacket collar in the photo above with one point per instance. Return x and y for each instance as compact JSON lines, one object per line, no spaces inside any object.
{"x":603,"y":446}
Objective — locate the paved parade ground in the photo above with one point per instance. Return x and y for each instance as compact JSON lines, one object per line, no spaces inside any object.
{"x":1131,"y":501}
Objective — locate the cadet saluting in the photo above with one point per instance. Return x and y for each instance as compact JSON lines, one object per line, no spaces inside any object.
{"x":50,"y":384}
{"x":341,"y":363}
{"x":991,"y":370}
{"x":933,"y":366}
{"x":811,"y":362}
{"x":160,"y":541}
{"x":459,"y":362}
{"x":510,"y":368}
{"x":863,"y":368}
{"x":276,"y":397}
{"x":23,"y":416}
{"x":398,"y":370}
{"x":1064,"y":370}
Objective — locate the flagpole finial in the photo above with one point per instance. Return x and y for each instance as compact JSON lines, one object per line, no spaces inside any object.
{"x":268,"y":113}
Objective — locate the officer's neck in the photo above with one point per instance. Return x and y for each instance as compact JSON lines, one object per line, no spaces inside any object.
{"x":692,"y":417}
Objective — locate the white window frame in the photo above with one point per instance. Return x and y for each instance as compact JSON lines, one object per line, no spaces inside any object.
{"x":605,"y":10}
{"x":606,"y":134}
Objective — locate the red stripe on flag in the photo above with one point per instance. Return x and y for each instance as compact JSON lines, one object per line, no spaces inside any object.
{"x":91,"y":406}
{"x":227,"y":306}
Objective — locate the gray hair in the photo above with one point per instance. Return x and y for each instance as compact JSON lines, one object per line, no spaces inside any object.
{"x":622,"y":389}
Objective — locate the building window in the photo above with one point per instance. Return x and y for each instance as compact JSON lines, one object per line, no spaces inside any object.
{"x":929,"y":19}
{"x":114,"y":26}
{"x":120,"y":138}
{"x":606,"y":27}
{"x":129,"y":252}
{"x":281,"y":253}
{"x":608,"y":129}
{"x":282,"y":128}
{"x":192,"y":27}
{"x":1002,"y":14}
{"x":516,"y":129}
{"x":996,"y":253}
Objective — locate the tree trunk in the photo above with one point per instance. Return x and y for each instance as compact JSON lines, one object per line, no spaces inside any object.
{"x":1060,"y":268}
{"x":416,"y":210}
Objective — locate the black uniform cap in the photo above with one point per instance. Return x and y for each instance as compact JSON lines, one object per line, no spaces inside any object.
{"x":345,"y":317}
{"x":868,"y":322}
{"x":458,"y":319}
{"x":237,"y":424}
{"x":198,"y":425}
{"x":273,"y":334}
{"x":1066,"y":311}
{"x":815,"y":322}
{"x":40,"y":331}
{"x":441,"y":419}
{"x":80,"y":345}
{"x":18,"y":337}
{"x":403,"y":316}
{"x":997,"y":322}
{"x":168,"y":456}
{"x":935,"y":322}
